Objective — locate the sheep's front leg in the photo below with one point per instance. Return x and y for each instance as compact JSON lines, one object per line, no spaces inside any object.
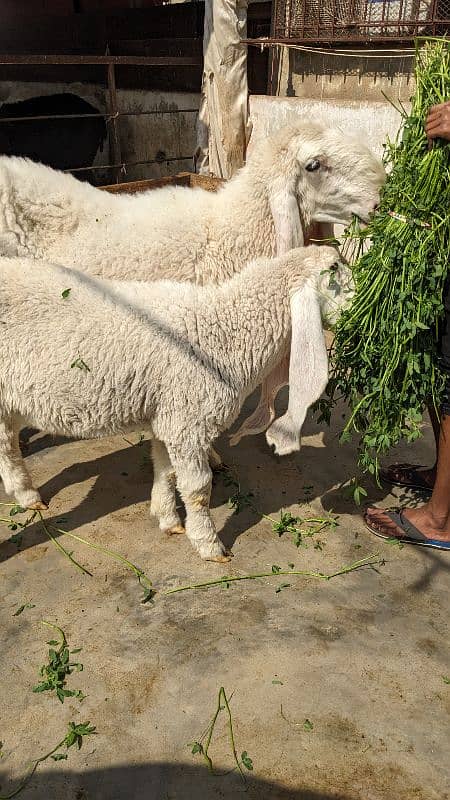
{"x":163,"y":500}
{"x":16,"y":478}
{"x":194,"y":483}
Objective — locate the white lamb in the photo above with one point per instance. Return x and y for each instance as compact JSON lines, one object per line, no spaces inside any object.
{"x":305,"y":173}
{"x":181,"y":359}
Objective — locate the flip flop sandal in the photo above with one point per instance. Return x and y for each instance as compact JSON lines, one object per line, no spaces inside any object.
{"x":411,"y":534}
{"x":415,"y":480}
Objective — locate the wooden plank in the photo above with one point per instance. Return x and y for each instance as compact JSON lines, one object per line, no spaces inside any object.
{"x":144,"y":61}
{"x":182,"y":179}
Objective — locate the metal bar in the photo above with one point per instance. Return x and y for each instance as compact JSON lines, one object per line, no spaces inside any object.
{"x":113,"y":130}
{"x":123,"y":166}
{"x":144,"y":61}
{"x":325,"y":39}
{"x":273,"y":60}
{"x":107,"y":117}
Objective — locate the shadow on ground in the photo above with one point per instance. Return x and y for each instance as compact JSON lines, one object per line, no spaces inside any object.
{"x":159,"y":781}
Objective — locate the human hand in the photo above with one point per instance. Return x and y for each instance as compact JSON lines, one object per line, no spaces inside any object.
{"x":438,"y":122}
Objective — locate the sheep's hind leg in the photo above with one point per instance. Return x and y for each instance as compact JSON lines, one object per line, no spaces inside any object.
{"x":194,"y":483}
{"x":163,"y":500}
{"x":16,"y":478}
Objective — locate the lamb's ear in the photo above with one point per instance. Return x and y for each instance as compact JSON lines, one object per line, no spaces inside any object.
{"x":264,"y":413}
{"x":286,"y":216}
{"x":308,"y":370}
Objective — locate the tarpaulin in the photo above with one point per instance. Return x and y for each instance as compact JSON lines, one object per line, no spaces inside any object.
{"x":223,"y":126}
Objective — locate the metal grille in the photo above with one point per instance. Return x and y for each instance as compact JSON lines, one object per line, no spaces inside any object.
{"x":359,"y":20}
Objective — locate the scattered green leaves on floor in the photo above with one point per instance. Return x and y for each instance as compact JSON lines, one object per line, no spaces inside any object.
{"x":80,"y":364}
{"x":22,"y":608}
{"x":58,"y":668}
{"x":15,"y":524}
{"x":246,"y":760}
{"x":307,"y":492}
{"x":53,"y":533}
{"x":300,"y":528}
{"x":65,"y":293}
{"x":395,"y":542}
{"x":286,"y":524}
{"x":238,"y":500}
{"x":139,"y":442}
{"x":354,"y":491}
{"x":306,"y":725}
{"x":281,"y":587}
{"x":446,"y":679}
{"x":75,"y":735}
{"x":202,"y":744}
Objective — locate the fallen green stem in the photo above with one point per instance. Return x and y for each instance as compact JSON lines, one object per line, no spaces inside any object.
{"x":230,"y":731}
{"x":203,"y":749}
{"x":56,"y":628}
{"x":144,"y":581}
{"x":60,"y":547}
{"x":74,"y":735}
{"x":364,"y":562}
{"x":140,"y":574}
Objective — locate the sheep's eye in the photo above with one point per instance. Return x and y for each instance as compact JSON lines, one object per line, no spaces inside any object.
{"x":313,"y":165}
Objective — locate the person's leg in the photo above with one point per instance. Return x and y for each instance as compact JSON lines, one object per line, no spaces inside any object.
{"x":433,"y":518}
{"x":414,"y":475}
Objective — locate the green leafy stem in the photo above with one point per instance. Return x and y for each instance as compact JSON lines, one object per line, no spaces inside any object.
{"x":368,"y":561}
{"x":75,"y":735}
{"x":202,"y":745}
{"x":50,"y":529}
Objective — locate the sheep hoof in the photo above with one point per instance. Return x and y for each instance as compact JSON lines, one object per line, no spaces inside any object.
{"x":222,"y":559}
{"x":38,"y":506}
{"x":174,"y":530}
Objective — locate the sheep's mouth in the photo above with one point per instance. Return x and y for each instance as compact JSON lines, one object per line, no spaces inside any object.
{"x":360,"y":220}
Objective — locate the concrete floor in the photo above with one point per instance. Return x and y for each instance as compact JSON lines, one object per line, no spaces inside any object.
{"x":362,"y":657}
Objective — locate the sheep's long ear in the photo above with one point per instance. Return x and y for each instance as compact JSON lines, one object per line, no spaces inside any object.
{"x":286,"y":217}
{"x":264,"y":413}
{"x":308,"y":370}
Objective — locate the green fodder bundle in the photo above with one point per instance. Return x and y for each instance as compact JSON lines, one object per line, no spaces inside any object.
{"x":385,"y":359}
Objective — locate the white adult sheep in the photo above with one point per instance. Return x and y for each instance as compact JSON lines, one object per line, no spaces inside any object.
{"x":176,"y":357}
{"x":305,"y":173}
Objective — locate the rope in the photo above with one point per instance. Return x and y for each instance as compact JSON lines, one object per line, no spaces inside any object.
{"x":407,"y":52}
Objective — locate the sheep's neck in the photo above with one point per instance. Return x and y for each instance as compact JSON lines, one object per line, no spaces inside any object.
{"x":244,"y":228}
{"x":246,"y":331}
